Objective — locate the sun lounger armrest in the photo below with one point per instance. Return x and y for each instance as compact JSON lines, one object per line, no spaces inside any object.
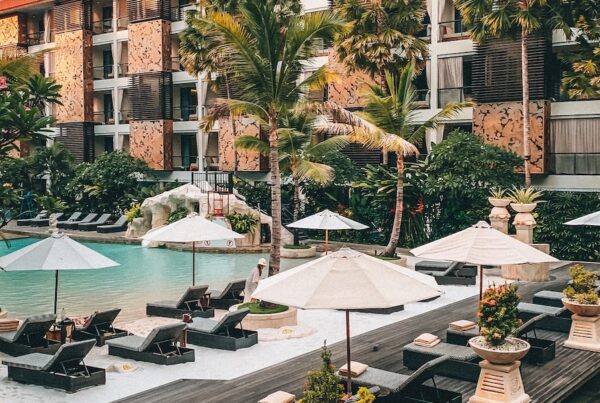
{"x":530,"y":324}
{"x":423,"y":373}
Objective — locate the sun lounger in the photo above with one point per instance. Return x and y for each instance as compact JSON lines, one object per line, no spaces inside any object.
{"x":27,"y":221}
{"x":30,"y":337}
{"x":159,"y":347}
{"x":99,"y":326}
{"x":91,"y":226}
{"x":118,"y":226}
{"x":222,"y":334}
{"x":229,"y":296}
{"x":542,"y":350}
{"x":556,"y":319}
{"x":461,"y":337}
{"x":409,"y":388}
{"x":74,"y":224}
{"x":44,"y":222}
{"x":462,"y":362}
{"x":74,"y":217}
{"x":194,"y":301}
{"x":448,"y":273}
{"x":63,"y":370}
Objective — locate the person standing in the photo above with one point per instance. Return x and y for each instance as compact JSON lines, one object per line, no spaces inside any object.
{"x":253,"y":279}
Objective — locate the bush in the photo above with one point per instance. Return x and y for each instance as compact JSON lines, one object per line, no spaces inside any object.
{"x":291,"y":246}
{"x":243,"y":223}
{"x":50,"y":203}
{"x":256,"y":308}
{"x":177,"y":215}
{"x":498,"y":313}
{"x":583,"y":285}
{"x":134,"y":212}
{"x":323,"y":386}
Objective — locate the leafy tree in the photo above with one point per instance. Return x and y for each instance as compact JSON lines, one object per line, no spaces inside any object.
{"x":108,"y":183}
{"x":42,"y":91}
{"x":18,"y":68}
{"x":460,"y":171}
{"x":55,"y":161}
{"x":9,"y":197}
{"x":507,"y":19}
{"x":264,"y":55}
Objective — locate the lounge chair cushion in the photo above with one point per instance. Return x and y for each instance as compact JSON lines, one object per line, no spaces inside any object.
{"x":158,"y":334}
{"x":8,"y":337}
{"x":549,"y":294}
{"x":133,"y":343}
{"x":11,"y":337}
{"x":43,"y":362}
{"x":164,"y":304}
{"x":539,"y":309}
{"x":384,"y":379}
{"x":461,"y":353}
{"x":230,"y":319}
{"x":203,"y":325}
{"x":34,"y":361}
{"x":278,"y":397}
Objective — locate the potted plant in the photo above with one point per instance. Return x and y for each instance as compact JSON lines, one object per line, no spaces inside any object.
{"x":524,"y":200}
{"x":498,"y":197}
{"x":323,"y":385}
{"x":300,"y":251}
{"x":581,"y":296}
{"x":497,"y":322}
{"x":246,"y":224}
{"x":499,"y":215}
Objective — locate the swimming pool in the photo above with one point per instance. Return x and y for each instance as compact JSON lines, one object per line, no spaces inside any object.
{"x":145,"y":274}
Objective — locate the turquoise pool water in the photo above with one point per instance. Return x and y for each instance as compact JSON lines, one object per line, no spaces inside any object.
{"x":145,"y":274}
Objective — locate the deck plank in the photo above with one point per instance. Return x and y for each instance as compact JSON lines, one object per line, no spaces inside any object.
{"x":551,"y":382}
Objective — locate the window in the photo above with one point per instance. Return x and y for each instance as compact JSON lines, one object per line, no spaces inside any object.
{"x":109,"y":146}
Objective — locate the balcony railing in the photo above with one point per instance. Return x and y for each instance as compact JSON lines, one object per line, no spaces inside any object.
{"x":123,"y":69}
{"x":184,"y":162}
{"x":178,"y":12}
{"x":453,"y":95}
{"x":423,"y":98}
{"x":122,"y":23}
{"x":105,"y":118}
{"x":104,"y":72}
{"x":124,"y":116}
{"x":102,"y":26}
{"x":574,"y":163}
{"x":35,"y":38}
{"x":453,"y":30}
{"x":425,"y":34}
{"x":221,"y":182}
{"x":176,"y":64}
{"x":188,"y":113}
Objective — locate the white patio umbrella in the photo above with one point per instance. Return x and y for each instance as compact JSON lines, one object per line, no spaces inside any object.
{"x":347,"y":280}
{"x":590,"y":219}
{"x":327,"y":220}
{"x":482,"y":245}
{"x":191,"y":229}
{"x":57,"y":252}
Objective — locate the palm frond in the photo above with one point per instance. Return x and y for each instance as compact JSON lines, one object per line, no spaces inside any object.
{"x":314,"y":171}
{"x":251,"y":143}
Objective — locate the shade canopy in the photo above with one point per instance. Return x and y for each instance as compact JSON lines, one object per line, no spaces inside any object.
{"x":347,"y":279}
{"x":590,"y":219}
{"x":482,"y":245}
{"x":327,"y":220}
{"x":193,"y":228}
{"x":57,"y":252}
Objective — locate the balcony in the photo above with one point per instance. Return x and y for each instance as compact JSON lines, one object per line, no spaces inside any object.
{"x":102,"y":26}
{"x":104,"y":72}
{"x":105,"y":118}
{"x":452,"y":30}
{"x":176,"y":64}
{"x":122,"y":23}
{"x":36,"y":38}
{"x":423,"y":98}
{"x":574,"y":163}
{"x":178,"y":12}
{"x":425,"y":33}
{"x":185,"y":114}
{"x":185,"y":162}
{"x":125,"y":116}
{"x":123,"y":69}
{"x":454,"y":95}
{"x":221,"y":182}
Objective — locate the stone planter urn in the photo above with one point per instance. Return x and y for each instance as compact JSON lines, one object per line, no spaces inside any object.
{"x":499,"y":215}
{"x":297,"y":253}
{"x":524,"y":221}
{"x":500,"y":377}
{"x":585,"y":326}
{"x":270,"y":320}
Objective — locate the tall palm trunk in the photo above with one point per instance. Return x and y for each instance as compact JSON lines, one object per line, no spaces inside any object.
{"x":296,"y":213}
{"x":231,"y":122}
{"x":275,"y":254}
{"x":390,"y":249}
{"x":525,"y":83}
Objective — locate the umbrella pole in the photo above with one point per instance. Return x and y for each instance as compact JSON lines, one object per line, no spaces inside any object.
{"x":480,"y":282}
{"x":326,"y":240}
{"x":55,"y":290}
{"x":349,"y":375}
{"x":193,"y":264}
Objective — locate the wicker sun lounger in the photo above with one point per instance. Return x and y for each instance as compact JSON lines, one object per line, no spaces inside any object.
{"x":118,"y":226}
{"x":555,"y":319}
{"x":63,"y":370}
{"x":161,"y":346}
{"x":27,"y":221}
{"x":194,"y":301}
{"x":99,"y":326}
{"x":91,"y":226}
{"x":222,"y":334}
{"x":542,"y":350}
{"x":410,"y":388}
{"x":74,"y":217}
{"x":461,"y":337}
{"x":44,"y":222}
{"x":30,"y":337}
{"x":448,"y":273}
{"x":74,"y":224}
{"x":228,"y":296}
{"x":462,"y":362}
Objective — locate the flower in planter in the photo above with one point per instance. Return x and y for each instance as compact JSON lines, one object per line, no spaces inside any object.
{"x":583,"y":286}
{"x":498,"y":313}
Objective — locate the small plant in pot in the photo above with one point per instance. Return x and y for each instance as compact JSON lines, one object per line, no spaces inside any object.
{"x":498,"y":320}
{"x":524,"y":200}
{"x":498,"y":197}
{"x":581,"y":296}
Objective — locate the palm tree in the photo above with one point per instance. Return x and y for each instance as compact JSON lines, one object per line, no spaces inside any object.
{"x":299,"y":152}
{"x":18,"y":68}
{"x":388,"y":122}
{"x":264,"y":55}
{"x":509,"y":18}
{"x":42,"y":91}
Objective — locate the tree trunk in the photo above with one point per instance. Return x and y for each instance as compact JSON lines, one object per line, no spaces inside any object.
{"x":296,"y":200}
{"x":275,"y":254}
{"x":390,"y":249}
{"x":525,"y":83}
{"x":232,"y":123}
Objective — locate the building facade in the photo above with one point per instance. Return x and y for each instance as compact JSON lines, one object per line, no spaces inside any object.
{"x":123,"y":88}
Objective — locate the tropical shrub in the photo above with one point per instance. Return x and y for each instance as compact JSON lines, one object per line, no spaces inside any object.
{"x":9,"y":197}
{"x":323,"y":386}
{"x":523,"y":195}
{"x":257,"y":195}
{"x":134,"y":212}
{"x":498,"y":313}
{"x":568,"y":242}
{"x":56,"y":162}
{"x":243,"y":223}
{"x":177,"y":215}
{"x":50,"y":203}
{"x":583,"y":285}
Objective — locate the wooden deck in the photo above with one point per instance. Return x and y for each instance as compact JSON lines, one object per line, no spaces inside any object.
{"x":551,"y":382}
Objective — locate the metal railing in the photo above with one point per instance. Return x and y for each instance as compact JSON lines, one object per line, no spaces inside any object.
{"x":221,"y":182}
{"x":106,"y":118}
{"x":102,"y":26}
{"x":454,"y":95}
{"x":184,"y":162}
{"x":187,"y":113}
{"x":423,"y":98}
{"x":574,"y":163}
{"x":35,"y":38}
{"x":452,"y":30}
{"x":104,"y":72}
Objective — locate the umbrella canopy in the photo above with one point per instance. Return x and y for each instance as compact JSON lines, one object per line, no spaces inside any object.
{"x":191,"y":229}
{"x":347,"y":280}
{"x":590,"y":219}
{"x":57,"y":252}
{"x":327,"y":220}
